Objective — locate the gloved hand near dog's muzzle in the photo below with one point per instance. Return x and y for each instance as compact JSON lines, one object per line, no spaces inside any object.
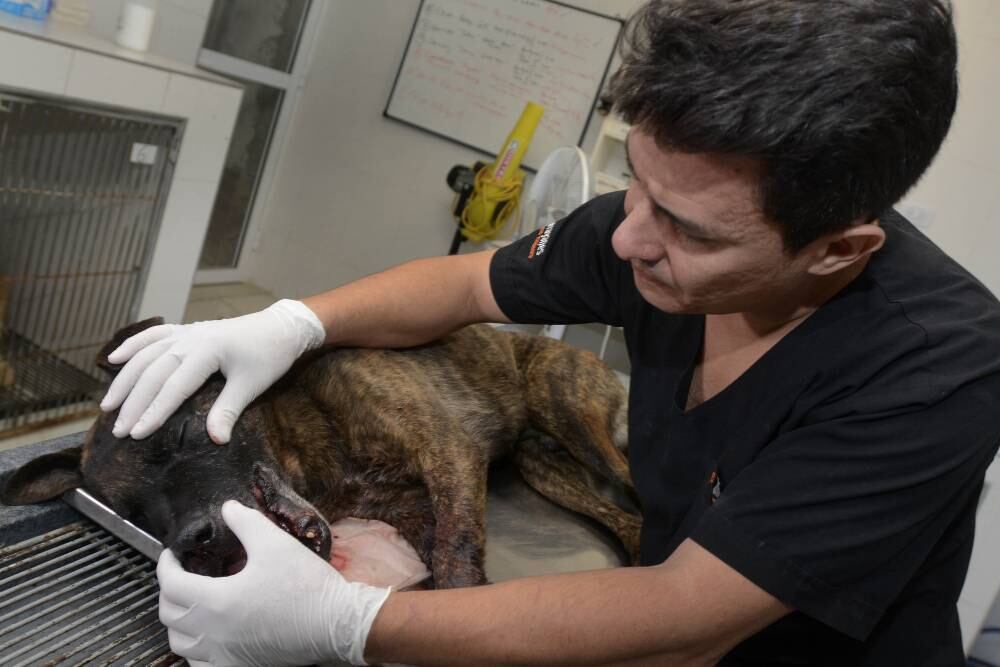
{"x":168,"y":363}
{"x":285,"y":607}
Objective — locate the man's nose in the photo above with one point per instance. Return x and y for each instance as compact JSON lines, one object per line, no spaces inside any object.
{"x":635,"y":237}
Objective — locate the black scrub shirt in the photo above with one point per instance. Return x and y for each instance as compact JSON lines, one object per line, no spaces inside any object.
{"x":840,"y":472}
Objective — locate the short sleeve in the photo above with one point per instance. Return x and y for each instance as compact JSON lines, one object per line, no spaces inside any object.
{"x":836,"y":516}
{"x":565,"y":272}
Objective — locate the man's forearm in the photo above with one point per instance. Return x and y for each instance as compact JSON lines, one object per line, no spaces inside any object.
{"x":690,"y":611}
{"x":410,"y":304}
{"x":618,"y":616}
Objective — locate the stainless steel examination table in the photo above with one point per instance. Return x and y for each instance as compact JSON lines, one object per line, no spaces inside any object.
{"x":72,"y":593}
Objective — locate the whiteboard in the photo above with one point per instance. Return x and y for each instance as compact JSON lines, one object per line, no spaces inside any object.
{"x":471,"y":65}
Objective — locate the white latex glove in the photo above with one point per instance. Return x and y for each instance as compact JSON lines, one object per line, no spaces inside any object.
{"x":168,"y":363}
{"x":285,"y":607}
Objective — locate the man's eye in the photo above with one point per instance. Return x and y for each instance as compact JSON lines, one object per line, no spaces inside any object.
{"x":683,"y":233}
{"x":678,"y":229}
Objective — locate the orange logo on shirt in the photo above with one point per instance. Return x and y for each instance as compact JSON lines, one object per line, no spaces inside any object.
{"x":541,"y":241}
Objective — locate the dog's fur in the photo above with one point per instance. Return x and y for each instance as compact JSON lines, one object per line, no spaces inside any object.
{"x":403,"y":436}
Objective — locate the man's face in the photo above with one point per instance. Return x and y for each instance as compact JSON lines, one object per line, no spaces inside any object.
{"x":695,"y":236}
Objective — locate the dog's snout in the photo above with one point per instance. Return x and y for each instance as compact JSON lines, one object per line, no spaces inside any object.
{"x":205,"y":534}
{"x":204,"y":546}
{"x":197,"y":534}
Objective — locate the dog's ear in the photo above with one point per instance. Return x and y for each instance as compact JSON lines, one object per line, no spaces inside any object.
{"x":120,"y":337}
{"x":43,"y":478}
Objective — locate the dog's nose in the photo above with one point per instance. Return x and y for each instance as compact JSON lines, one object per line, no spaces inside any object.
{"x":196,"y":535}
{"x":204,"y":546}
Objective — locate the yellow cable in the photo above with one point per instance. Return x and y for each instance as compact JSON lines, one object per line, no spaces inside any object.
{"x":479,"y":223}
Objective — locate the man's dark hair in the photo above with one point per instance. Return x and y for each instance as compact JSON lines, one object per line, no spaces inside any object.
{"x":845,"y":102}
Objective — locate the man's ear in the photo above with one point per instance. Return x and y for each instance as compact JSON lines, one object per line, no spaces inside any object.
{"x":839,"y":250}
{"x":120,"y":337}
{"x":43,"y":478}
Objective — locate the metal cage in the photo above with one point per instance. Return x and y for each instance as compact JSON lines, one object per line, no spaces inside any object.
{"x":81,"y":197}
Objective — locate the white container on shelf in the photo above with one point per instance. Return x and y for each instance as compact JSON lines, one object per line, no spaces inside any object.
{"x":135,"y":26}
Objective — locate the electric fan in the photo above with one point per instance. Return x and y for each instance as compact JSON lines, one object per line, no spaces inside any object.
{"x":561,"y":185}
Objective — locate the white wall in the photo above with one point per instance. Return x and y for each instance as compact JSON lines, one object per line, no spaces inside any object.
{"x":356,"y":192}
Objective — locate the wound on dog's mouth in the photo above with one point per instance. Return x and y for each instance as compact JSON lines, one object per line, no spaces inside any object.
{"x":300,"y":522}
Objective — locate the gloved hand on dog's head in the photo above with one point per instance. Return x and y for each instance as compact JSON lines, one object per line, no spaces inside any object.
{"x":168,"y":363}
{"x":285,"y":607}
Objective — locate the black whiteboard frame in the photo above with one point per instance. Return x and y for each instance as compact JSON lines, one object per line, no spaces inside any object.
{"x":590,"y":112}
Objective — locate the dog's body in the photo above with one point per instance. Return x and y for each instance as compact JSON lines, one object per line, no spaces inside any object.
{"x":402,"y":436}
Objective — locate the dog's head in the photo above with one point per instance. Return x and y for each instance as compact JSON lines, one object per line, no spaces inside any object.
{"x":173,"y":483}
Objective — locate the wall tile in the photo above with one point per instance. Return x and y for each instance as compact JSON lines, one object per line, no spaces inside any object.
{"x":116,"y":82}
{"x":175,"y":257}
{"x":211,"y":110}
{"x":32,"y":64}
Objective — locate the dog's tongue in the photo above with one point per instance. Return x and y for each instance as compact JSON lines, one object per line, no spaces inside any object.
{"x":374,"y":553}
{"x":371,"y":552}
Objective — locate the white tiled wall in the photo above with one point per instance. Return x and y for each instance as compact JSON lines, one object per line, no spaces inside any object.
{"x":211,"y":111}
{"x":116,"y":82}
{"x":175,"y":258}
{"x":29,"y":64}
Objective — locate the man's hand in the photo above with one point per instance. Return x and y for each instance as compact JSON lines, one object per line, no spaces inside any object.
{"x":286,"y":607}
{"x":168,"y":363}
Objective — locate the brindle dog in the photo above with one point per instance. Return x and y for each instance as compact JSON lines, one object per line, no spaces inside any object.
{"x":402,"y":436}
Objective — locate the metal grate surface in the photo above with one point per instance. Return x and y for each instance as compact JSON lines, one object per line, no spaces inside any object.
{"x":79,"y":596}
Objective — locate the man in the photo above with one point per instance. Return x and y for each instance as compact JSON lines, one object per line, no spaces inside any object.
{"x":813,"y":381}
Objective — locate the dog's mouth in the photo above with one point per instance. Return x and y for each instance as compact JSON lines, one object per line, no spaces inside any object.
{"x":224,"y":555}
{"x":290,"y":512}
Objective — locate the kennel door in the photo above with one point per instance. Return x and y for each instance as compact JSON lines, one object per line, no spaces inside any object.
{"x":81,"y":196}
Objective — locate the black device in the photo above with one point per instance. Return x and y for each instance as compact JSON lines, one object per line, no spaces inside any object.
{"x":462,"y":180}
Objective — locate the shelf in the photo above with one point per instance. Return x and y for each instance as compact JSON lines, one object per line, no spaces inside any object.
{"x":608,"y":161}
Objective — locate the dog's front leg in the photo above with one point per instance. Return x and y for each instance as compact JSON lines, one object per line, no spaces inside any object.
{"x":456,"y":481}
